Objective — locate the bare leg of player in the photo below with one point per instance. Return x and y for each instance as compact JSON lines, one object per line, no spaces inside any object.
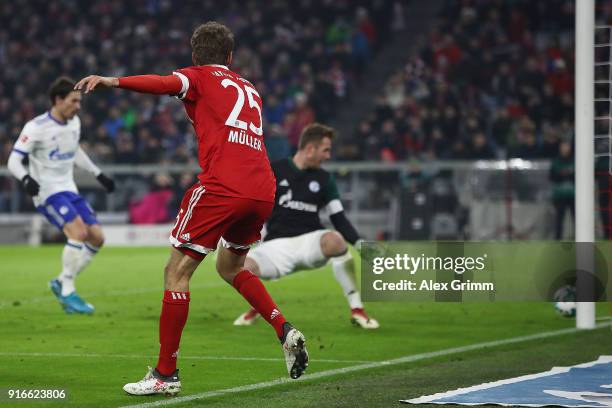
{"x":179,"y":270}
{"x":230,"y":265}
{"x":175,"y":308}
{"x":251,"y":265}
{"x":164,"y":379}
{"x":250,"y":316}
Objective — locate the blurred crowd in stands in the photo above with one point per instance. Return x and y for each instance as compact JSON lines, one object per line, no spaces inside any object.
{"x":303,"y":56}
{"x":492,"y":79}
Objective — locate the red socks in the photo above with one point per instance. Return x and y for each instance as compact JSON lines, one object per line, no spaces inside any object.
{"x":175,"y":309}
{"x":172,"y":320}
{"x":251,"y":288}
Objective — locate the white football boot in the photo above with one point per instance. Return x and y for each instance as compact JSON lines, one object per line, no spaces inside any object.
{"x":294,"y":347}
{"x":361,"y":319}
{"x":247,"y":318}
{"x":155,"y":383}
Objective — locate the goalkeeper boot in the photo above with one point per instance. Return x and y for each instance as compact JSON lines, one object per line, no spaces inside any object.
{"x":294,"y":347}
{"x":361,"y":319}
{"x":247,"y":318}
{"x":155,"y":383}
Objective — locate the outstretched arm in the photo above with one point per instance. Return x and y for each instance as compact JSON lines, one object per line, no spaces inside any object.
{"x":344,"y":227}
{"x":336,"y":212}
{"x":151,"y":84}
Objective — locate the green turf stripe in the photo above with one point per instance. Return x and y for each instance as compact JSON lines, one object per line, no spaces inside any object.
{"x":360,"y":367}
{"x":111,"y":293}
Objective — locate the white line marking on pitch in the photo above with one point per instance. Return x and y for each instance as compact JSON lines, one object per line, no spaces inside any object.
{"x":360,"y":367}
{"x":93,"y":355}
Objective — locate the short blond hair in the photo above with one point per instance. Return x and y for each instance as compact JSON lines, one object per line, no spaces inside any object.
{"x":315,"y":133}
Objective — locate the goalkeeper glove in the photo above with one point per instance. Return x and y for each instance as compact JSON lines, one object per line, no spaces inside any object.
{"x":107,"y":182}
{"x":30,"y":185}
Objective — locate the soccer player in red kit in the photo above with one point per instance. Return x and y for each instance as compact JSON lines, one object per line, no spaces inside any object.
{"x":231,"y":201}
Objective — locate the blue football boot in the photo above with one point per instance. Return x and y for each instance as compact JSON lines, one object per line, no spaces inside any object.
{"x":56,"y":288}
{"x":73,"y":303}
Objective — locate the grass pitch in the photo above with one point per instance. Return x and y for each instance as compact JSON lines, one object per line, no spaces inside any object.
{"x":93,"y":356}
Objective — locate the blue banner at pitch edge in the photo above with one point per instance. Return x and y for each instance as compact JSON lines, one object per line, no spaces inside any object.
{"x":583,"y":385}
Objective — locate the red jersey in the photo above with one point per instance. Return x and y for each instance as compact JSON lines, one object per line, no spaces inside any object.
{"x":225,"y":110}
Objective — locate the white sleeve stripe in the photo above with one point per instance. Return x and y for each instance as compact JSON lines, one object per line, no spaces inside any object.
{"x":334,"y":206}
{"x":185,"y":82}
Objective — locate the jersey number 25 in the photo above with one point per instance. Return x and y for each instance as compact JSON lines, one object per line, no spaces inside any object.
{"x":232,"y":119}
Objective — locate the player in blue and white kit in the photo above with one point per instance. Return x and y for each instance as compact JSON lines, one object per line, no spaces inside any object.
{"x":51,"y":143}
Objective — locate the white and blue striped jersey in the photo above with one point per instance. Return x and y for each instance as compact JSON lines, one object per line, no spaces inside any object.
{"x":51,"y":147}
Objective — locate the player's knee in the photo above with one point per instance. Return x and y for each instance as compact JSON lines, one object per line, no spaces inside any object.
{"x":79,"y":234}
{"x":224,"y":271}
{"x":96,"y":239}
{"x":228,"y":274}
{"x":76,"y":230}
{"x":333,"y":244}
{"x":227,"y":270}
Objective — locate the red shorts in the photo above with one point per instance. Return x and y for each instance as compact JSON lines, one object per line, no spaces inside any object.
{"x":205,"y":218}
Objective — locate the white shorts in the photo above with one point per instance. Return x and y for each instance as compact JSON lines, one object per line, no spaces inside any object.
{"x":282,"y":256}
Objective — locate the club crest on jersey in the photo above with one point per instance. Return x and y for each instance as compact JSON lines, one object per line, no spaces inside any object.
{"x":314,"y":186}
